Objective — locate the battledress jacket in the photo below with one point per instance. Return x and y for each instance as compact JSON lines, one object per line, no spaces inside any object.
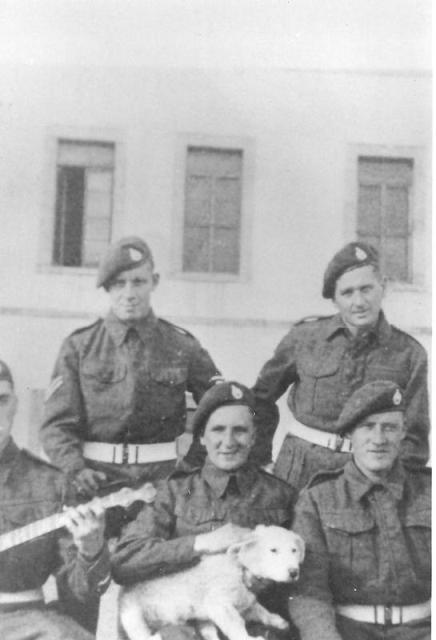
{"x":105,"y":389}
{"x":366,"y":543}
{"x":31,"y":489}
{"x":325,"y":365}
{"x":162,"y":537}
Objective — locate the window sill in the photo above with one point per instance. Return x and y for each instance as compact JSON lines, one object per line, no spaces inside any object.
{"x":207,"y":277}
{"x":67,"y":271}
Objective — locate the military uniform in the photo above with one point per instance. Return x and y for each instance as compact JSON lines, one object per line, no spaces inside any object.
{"x":366,"y":544}
{"x":190,"y":503}
{"x":30,"y":489}
{"x":117,"y":383}
{"x":325,"y":364}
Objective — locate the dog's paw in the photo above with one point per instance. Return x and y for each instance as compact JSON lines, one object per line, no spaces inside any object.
{"x":278,"y":622}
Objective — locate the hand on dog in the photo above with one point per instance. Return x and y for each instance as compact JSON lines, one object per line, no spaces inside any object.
{"x":220,"y":539}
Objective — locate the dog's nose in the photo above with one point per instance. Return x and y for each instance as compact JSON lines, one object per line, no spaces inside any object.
{"x":293,"y":574}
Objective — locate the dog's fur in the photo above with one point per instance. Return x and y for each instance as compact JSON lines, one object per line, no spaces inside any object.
{"x":217,"y":590}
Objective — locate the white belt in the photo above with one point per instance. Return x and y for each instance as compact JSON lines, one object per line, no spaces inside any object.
{"x":18,"y":597}
{"x":381,"y":614}
{"x":332,"y":441}
{"x":130,"y":453}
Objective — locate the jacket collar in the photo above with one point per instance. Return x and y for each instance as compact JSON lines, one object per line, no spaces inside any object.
{"x":382,"y":329}
{"x":7,"y":458}
{"x":360,"y":485}
{"x":218,"y":479}
{"x":118,"y":330}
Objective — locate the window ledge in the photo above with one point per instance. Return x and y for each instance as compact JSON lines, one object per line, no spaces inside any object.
{"x":406,"y":287}
{"x":207,"y":277}
{"x":67,"y":271}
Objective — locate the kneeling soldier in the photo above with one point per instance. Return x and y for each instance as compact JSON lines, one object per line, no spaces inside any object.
{"x":367,"y":529}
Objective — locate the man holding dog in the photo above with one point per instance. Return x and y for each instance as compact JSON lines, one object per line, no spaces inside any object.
{"x":367,"y":528}
{"x":325,"y":359}
{"x":31,"y":489}
{"x":205,"y":510}
{"x":116,"y":404}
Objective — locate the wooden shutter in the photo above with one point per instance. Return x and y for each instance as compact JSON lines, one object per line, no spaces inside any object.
{"x":384,"y":211}
{"x":212,"y":218}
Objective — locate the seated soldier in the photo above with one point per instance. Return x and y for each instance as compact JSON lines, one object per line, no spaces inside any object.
{"x":367,"y":530}
{"x":31,"y":490}
{"x":206,"y":509}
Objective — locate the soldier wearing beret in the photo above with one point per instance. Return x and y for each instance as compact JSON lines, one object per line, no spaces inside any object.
{"x":31,"y":490}
{"x":324,"y":359}
{"x":204,"y":510}
{"x":116,"y":403}
{"x":367,"y":528}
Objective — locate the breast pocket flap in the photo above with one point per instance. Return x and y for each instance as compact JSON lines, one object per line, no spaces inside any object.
{"x":349,"y":522}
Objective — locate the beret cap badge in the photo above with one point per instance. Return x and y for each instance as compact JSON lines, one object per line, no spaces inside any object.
{"x":361,"y":254}
{"x":135,"y":254}
{"x":236,"y":392}
{"x":396,"y":400}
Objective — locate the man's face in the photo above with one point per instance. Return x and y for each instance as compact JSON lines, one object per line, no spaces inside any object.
{"x":130,"y":292}
{"x":358,"y":297}
{"x":229,"y":436}
{"x":8,"y":409}
{"x":376,"y":442}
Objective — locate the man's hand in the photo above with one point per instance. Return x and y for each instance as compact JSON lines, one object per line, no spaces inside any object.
{"x":220,"y":539}
{"x":88,"y":481}
{"x":86,"y":524}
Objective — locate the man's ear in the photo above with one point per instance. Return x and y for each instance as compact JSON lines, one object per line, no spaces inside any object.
{"x":156,"y":279}
{"x":301,"y":546}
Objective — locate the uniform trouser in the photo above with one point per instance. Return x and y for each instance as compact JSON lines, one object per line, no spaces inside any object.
{"x":39,"y":622}
{"x":353,"y":630}
{"x":299,"y":460}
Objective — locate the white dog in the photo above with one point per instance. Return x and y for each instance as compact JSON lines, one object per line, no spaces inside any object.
{"x":217,"y":590}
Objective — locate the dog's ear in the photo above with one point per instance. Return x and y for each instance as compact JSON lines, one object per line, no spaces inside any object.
{"x":235,"y":549}
{"x":301,"y":546}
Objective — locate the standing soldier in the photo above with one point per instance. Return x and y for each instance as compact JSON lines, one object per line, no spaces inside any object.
{"x":326,"y":358}
{"x":116,"y":404}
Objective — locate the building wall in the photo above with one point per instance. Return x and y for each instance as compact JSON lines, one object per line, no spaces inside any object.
{"x":301,"y":129}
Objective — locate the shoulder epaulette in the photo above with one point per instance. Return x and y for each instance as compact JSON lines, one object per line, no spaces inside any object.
{"x":88,"y":326}
{"x":181,"y":330}
{"x":324,"y":476}
{"x":41,"y":461}
{"x":184,"y":469}
{"x":408,"y":335}
{"x":308,"y":319}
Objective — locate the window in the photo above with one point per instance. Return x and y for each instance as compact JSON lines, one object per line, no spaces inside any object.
{"x":84,"y":202}
{"x":212,"y":210}
{"x":384,"y":211}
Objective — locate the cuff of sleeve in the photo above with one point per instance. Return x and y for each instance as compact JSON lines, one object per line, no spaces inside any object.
{"x":97,"y":569}
{"x":186,"y":549}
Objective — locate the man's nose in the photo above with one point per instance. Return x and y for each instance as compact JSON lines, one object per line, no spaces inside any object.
{"x":358,"y":298}
{"x":129,"y":290}
{"x":228,"y":439}
{"x":378,"y":435}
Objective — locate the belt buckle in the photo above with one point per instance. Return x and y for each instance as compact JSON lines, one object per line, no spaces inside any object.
{"x":125,"y":454}
{"x":338,"y":442}
{"x":388,"y":615}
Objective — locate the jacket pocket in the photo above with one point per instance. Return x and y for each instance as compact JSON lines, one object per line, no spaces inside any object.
{"x":318,"y":390}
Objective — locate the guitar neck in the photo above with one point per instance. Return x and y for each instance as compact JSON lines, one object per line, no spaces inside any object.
{"x":46,"y":525}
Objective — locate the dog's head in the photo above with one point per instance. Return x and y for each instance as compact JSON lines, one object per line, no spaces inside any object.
{"x":271,"y":553}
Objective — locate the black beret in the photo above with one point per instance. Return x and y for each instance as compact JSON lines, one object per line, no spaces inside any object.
{"x":222,"y":393}
{"x":5,"y":373}
{"x":375,"y":397}
{"x":123,"y":255}
{"x":352,"y":256}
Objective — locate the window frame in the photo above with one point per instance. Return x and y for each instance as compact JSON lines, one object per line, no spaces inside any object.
{"x":54,"y":135}
{"x":246,"y":146}
{"x":417,"y":248}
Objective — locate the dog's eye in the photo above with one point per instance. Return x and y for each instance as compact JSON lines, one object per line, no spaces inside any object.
{"x":273,"y":550}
